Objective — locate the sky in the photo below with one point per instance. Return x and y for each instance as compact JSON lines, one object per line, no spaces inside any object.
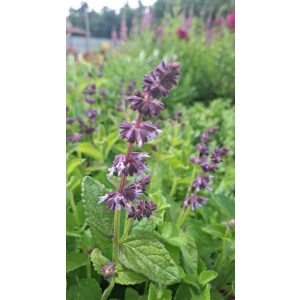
{"x":99,"y":4}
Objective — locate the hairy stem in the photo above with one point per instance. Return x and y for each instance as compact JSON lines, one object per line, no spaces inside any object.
{"x":127,"y":227}
{"x":117,"y":216}
{"x":108,"y":290}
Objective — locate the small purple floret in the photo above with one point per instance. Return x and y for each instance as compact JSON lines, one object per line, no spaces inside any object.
{"x":195,"y":201}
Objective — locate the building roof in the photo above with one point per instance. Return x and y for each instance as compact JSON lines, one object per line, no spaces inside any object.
{"x":70,"y":29}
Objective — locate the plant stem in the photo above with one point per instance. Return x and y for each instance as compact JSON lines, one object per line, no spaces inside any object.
{"x":116,"y":235}
{"x":108,"y":290}
{"x":117,"y":216}
{"x":185,"y":210}
{"x":184,"y":213}
{"x":127,"y":227}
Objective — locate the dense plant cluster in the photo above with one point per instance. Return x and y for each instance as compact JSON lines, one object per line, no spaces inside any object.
{"x":147,"y":217}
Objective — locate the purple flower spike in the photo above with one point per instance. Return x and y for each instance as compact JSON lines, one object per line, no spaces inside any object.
{"x":142,"y":209}
{"x":207,"y":134}
{"x":92,"y":113}
{"x":140,"y":134}
{"x":145,"y":104}
{"x":77,"y":137}
{"x":70,"y":120}
{"x":132,"y":191}
{"x":90,"y":100}
{"x":90,"y":90}
{"x":202,"y":182}
{"x":108,"y":270}
{"x":115,"y":201}
{"x":195,"y":201}
{"x":160,"y":81}
{"x":217,"y":154}
{"x":134,"y":165}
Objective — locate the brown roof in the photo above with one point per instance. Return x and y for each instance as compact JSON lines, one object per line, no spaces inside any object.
{"x":70,"y":29}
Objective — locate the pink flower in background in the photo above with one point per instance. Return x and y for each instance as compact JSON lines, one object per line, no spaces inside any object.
{"x":123,"y":28}
{"x":220,"y":22}
{"x":231,"y":20}
{"x":146,"y":20}
{"x":188,"y":22}
{"x":182,"y":34}
{"x":114,"y":37}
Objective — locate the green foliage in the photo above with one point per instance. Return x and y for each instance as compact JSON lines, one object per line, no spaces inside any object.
{"x":148,"y":256}
{"x":86,"y":289}
{"x":158,"y":293}
{"x":207,"y":276}
{"x":99,"y":218}
{"x":75,"y":261}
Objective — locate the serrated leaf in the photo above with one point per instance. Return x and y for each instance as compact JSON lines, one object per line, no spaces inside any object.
{"x":128,"y":277}
{"x":190,"y":256}
{"x":172,"y":234}
{"x":86,"y":289}
{"x":90,"y":150}
{"x":75,"y":260}
{"x":98,"y":260}
{"x":207,"y":276}
{"x":159,"y":293}
{"x":217,"y":230}
{"x":148,"y":224}
{"x":98,"y":216}
{"x":147,"y":256}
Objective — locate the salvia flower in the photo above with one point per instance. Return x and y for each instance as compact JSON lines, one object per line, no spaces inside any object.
{"x":70,"y":120}
{"x":115,"y":201}
{"x":132,"y":191}
{"x":90,"y":100}
{"x":217,"y":155}
{"x":108,"y":269}
{"x":76,"y":137}
{"x":92,"y":113}
{"x":90,"y":89}
{"x":202,"y":182}
{"x":195,"y":201}
{"x":138,"y":133}
{"x":146,"y":105}
{"x":134,"y":164}
{"x":159,"y":82}
{"x":142,"y":209}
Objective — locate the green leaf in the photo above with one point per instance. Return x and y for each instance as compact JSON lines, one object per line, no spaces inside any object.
{"x":205,"y":295}
{"x":132,"y":294}
{"x":190,"y":256}
{"x":75,"y":260}
{"x":98,"y":260}
{"x":207,"y":276}
{"x":128,"y":277}
{"x":87,"y":289}
{"x":172,"y":234}
{"x":217,"y":230}
{"x":90,"y":150}
{"x":99,"y":217}
{"x":183,"y":292}
{"x":159,"y":293}
{"x":73,"y":164}
{"x":144,"y":254}
{"x":160,"y":200}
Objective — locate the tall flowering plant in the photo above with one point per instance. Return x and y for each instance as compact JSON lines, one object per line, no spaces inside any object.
{"x":147,"y":103}
{"x":208,"y":162}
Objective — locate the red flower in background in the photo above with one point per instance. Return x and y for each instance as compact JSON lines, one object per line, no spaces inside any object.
{"x":182,"y":34}
{"x":231,"y":20}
